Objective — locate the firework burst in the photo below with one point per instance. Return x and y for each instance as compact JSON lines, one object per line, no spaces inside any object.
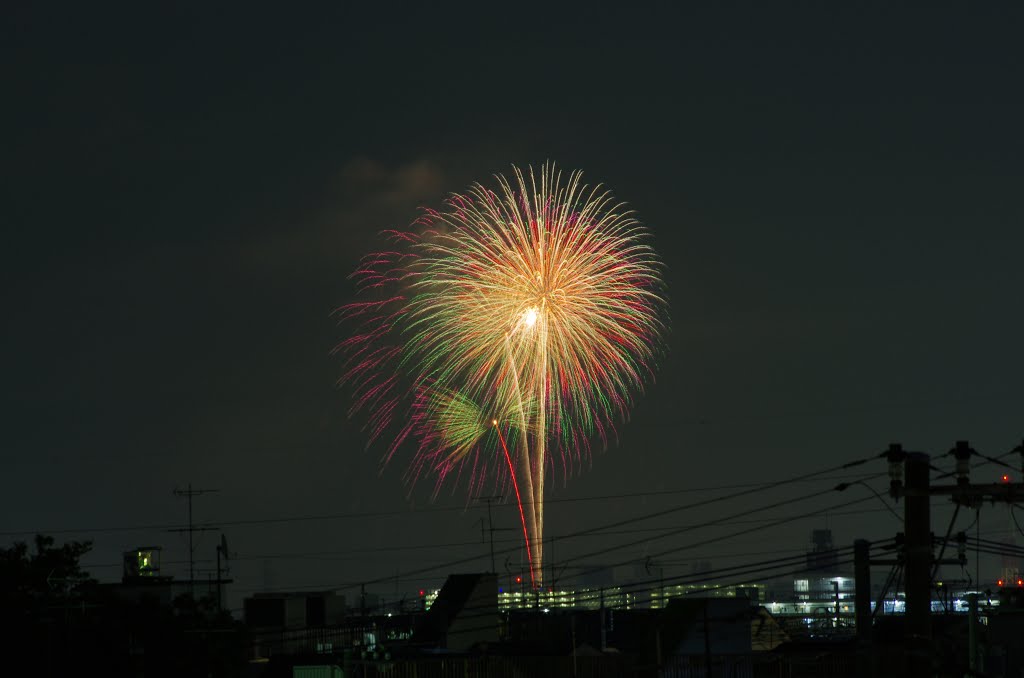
{"x":505,"y":332}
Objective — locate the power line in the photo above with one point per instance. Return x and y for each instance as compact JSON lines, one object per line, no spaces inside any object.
{"x":987,"y":460}
{"x":389,"y":514}
{"x":643,"y":517}
{"x":777,"y":504}
{"x":602,"y":531}
{"x":316,"y":555}
{"x":359,"y":553}
{"x":321,"y":555}
{"x":775,"y":523}
{"x":463,"y":561}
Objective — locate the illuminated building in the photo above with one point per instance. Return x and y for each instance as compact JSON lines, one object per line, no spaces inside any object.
{"x":663,"y":594}
{"x":577,"y":599}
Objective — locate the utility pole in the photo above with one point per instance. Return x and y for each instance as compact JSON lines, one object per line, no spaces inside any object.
{"x":972,"y":632}
{"x":918,"y":558}
{"x":220,"y":601}
{"x":191,"y":529}
{"x":917,"y":525}
{"x":862,"y":604}
{"x":222,"y":550}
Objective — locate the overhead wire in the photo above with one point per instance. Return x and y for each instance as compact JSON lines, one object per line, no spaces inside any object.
{"x":436,"y":567}
{"x":357,"y":515}
{"x":649,"y":516}
{"x":746,"y":492}
{"x":601,"y":531}
{"x":996,"y":548}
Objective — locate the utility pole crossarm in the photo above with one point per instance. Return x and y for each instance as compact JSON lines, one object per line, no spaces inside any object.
{"x":971,"y":494}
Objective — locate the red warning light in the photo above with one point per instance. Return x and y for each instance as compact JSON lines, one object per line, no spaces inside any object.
{"x":519,"y":580}
{"x":1006,"y":477}
{"x":422,"y":592}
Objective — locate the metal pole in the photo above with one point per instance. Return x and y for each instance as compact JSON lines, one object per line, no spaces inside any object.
{"x":917,"y":525}
{"x":551,"y":559}
{"x":862,"y":603}
{"x":191,"y":549}
{"x":972,"y":632}
{"x":490,"y":524}
{"x":220,"y":604}
{"x":191,"y":529}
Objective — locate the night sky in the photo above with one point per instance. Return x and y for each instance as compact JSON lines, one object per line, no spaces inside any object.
{"x":836,"y":195}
